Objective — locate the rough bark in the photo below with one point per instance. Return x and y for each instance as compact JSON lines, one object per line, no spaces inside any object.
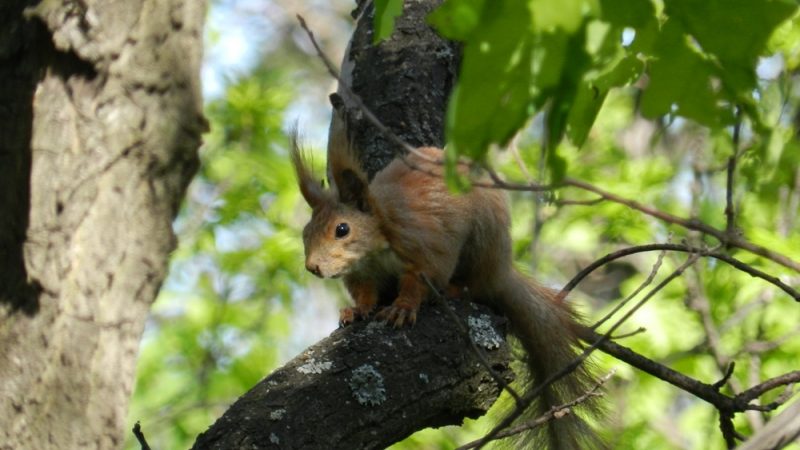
{"x":369,"y":385}
{"x":405,"y":81}
{"x":101,"y":121}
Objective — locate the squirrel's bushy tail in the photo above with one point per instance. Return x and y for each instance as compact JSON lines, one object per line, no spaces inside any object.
{"x":546,"y":329}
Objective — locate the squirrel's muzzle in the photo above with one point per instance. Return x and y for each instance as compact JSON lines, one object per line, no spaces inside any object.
{"x":314,"y":268}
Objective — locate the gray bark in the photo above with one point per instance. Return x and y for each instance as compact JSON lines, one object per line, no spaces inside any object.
{"x":405,"y":81}
{"x":101,"y":119}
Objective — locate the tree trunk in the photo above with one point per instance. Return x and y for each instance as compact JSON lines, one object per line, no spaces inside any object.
{"x":101,"y":119}
{"x":405,"y":81}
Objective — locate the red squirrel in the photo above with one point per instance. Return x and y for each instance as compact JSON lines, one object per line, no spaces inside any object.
{"x":407,"y":229}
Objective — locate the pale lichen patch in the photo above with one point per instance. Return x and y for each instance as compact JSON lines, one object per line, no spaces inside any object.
{"x":366,"y":384}
{"x":483,"y":333}
{"x":314,"y":366}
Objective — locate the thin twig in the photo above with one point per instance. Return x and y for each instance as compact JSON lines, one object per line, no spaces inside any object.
{"x":568,"y":202}
{"x":786,"y":395}
{"x":633,"y":294}
{"x":676,"y":248}
{"x":759,"y":390}
{"x":137,"y":431}
{"x":691,"y":224}
{"x":629,"y":334}
{"x":371,"y":117}
{"x":520,"y":163}
{"x":730,"y":211}
{"x":725,"y":376}
{"x":757,"y":347}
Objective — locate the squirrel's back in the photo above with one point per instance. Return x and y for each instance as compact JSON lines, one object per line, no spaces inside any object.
{"x":465,"y":235}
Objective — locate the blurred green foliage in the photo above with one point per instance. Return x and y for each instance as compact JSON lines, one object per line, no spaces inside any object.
{"x":221,"y":321}
{"x":645,"y":94}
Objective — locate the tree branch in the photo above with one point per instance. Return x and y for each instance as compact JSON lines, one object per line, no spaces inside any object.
{"x":369,"y":385}
{"x":691,"y":224}
{"x":677,"y":248}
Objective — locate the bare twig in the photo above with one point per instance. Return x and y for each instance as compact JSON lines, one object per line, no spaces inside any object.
{"x":788,"y":393}
{"x":756,"y":391}
{"x":779,"y":432}
{"x":725,"y":376}
{"x":373,"y":119}
{"x":730,"y":211}
{"x":744,"y":311}
{"x":691,"y":224}
{"x":758,"y":347}
{"x":676,"y":248}
{"x":520,"y":163}
{"x":629,"y":334}
{"x":633,"y":294}
{"x":137,"y":431}
{"x":568,"y":202}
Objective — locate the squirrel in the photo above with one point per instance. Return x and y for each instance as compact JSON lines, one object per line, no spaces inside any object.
{"x":406,"y":229}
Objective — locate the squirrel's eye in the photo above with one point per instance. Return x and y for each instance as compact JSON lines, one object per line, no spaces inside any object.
{"x":342,"y":230}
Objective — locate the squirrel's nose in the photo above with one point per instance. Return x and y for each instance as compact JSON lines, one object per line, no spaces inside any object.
{"x":314,"y":268}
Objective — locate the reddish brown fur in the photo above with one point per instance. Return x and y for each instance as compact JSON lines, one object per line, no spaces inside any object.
{"x":406,"y":226}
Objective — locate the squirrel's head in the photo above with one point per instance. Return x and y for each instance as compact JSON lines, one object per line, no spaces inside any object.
{"x":342,"y":231}
{"x":338,"y":237}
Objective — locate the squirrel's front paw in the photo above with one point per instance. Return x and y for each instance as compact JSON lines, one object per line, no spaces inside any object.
{"x":398,"y":314}
{"x":352,"y":313}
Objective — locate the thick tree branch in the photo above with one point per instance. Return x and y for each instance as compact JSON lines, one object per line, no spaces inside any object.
{"x":369,"y":385}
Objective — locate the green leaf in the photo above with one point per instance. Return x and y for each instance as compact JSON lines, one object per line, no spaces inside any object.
{"x":682,"y":81}
{"x":627,"y":13}
{"x":557,"y":166}
{"x":386,"y":11}
{"x":456,"y":19}
{"x":734,"y":31}
{"x":491,"y":100}
{"x":592,"y":94}
{"x":564,"y":15}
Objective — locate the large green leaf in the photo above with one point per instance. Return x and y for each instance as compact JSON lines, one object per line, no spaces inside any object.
{"x":491,"y":100}
{"x":682,"y":81}
{"x":734,"y":31}
{"x":591,"y":95}
{"x":627,"y":13}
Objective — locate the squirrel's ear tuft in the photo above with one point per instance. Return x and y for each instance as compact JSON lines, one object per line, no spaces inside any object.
{"x":311,"y":189}
{"x":353,"y":189}
{"x":347,"y":177}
